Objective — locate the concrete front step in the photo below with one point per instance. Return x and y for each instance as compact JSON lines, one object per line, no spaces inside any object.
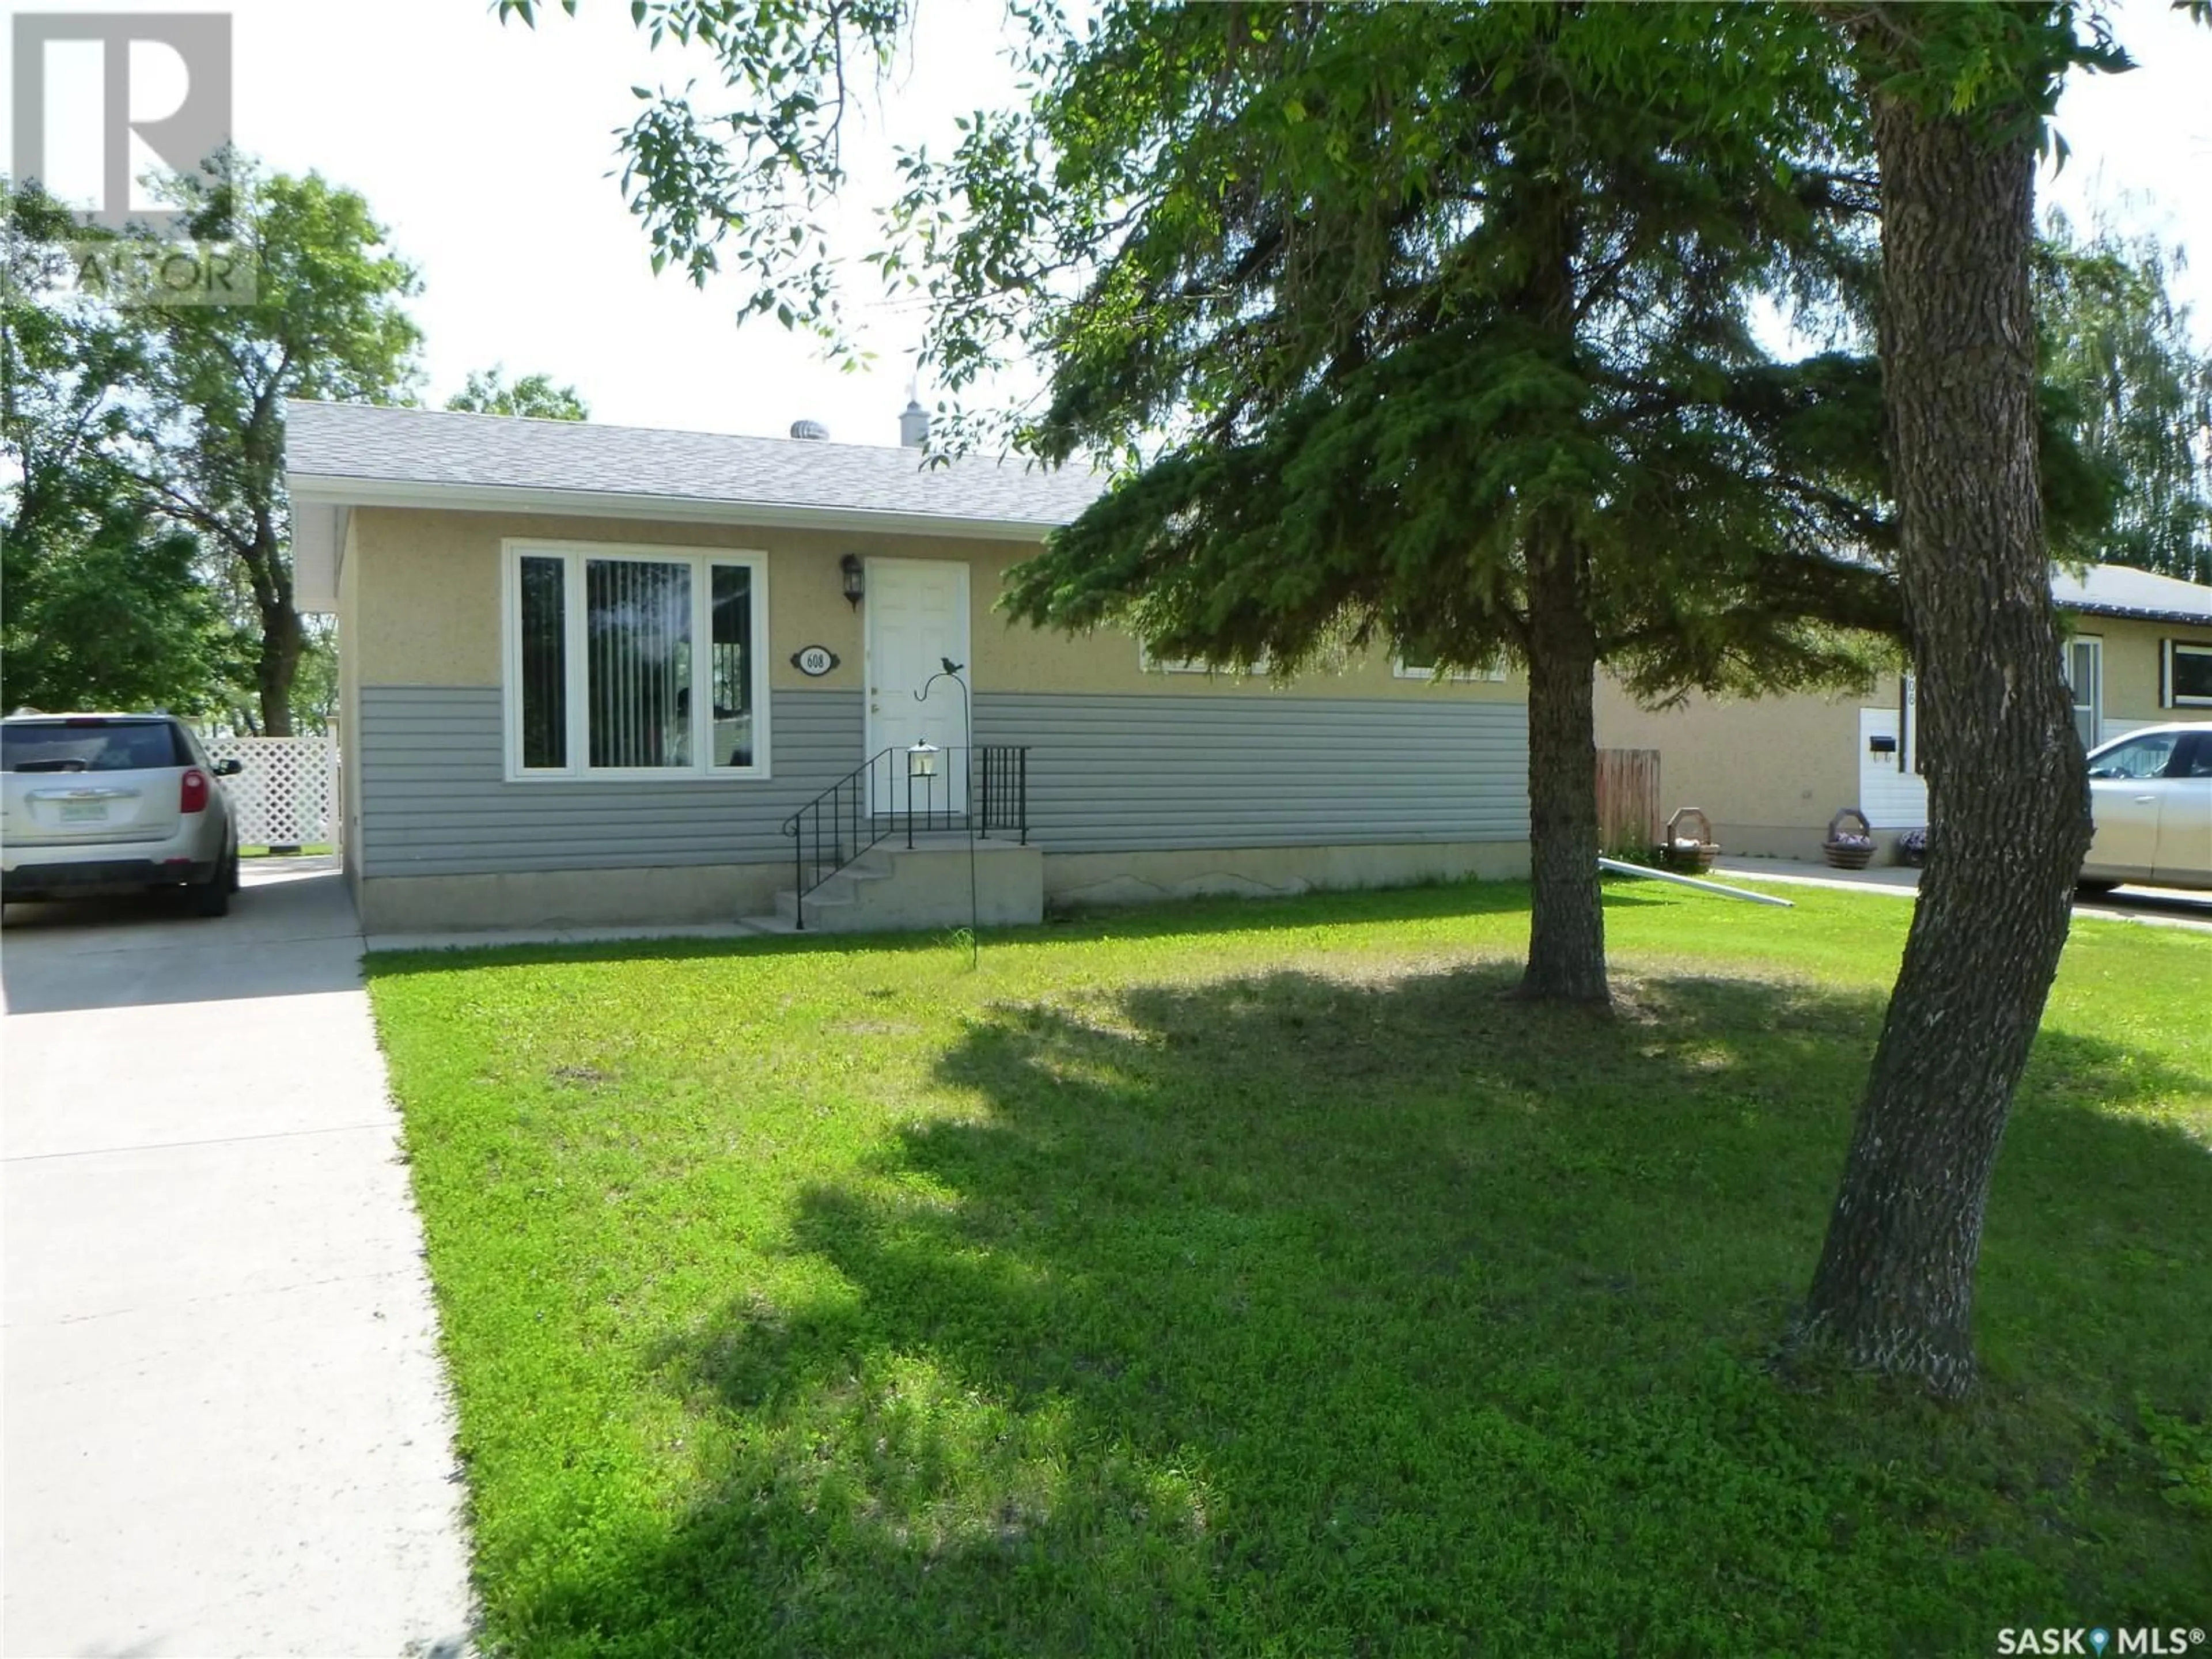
{"x":893,"y":888}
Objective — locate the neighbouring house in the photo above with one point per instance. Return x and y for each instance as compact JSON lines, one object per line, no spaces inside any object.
{"x":1770,"y":772}
{"x":596,"y":674}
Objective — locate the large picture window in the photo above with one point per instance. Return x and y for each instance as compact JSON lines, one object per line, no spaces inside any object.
{"x":629,"y":662}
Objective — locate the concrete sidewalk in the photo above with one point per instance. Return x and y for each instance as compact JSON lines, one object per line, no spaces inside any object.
{"x":226,"y":1428}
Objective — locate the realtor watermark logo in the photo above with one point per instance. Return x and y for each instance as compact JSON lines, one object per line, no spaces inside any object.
{"x":2103,"y":1641}
{"x":102,"y":100}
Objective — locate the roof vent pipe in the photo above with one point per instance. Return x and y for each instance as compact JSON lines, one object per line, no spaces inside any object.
{"x":812,"y":431}
{"x":914,"y":425}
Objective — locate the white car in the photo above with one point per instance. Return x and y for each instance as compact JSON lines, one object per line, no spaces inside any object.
{"x":2151,"y":795}
{"x":107,"y":803}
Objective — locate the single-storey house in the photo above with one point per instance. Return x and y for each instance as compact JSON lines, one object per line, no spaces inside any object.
{"x":597,"y":674}
{"x":1770,"y":772}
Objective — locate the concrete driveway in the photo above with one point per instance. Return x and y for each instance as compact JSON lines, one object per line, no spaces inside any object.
{"x":226,"y":1430}
{"x":2157,"y":907}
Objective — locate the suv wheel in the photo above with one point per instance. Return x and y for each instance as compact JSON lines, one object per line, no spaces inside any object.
{"x":211,"y":897}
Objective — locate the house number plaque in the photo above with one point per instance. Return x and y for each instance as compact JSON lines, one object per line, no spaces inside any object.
{"x":814,"y":660}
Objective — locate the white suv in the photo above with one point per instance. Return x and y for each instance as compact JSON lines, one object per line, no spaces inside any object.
{"x":2151,"y":793}
{"x":99,"y":803}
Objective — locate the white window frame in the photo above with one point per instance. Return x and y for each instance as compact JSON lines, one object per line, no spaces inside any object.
{"x":2170,"y":683}
{"x":573,"y":555}
{"x":1148,"y":664}
{"x":1494,"y":674}
{"x":2095,"y":701}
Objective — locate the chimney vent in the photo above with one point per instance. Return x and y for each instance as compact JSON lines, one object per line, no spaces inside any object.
{"x":913,"y":425}
{"x":811,"y":431}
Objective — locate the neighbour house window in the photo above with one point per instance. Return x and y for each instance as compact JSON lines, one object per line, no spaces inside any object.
{"x":2084,"y":663}
{"x":2188,"y":676}
{"x":1151,"y":664}
{"x":1418,"y":662}
{"x":635,"y":661}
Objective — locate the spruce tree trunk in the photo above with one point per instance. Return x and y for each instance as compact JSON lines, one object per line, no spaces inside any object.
{"x":1566,"y":919}
{"x":2008,"y":795}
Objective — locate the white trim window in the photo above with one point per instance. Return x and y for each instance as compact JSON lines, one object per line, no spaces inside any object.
{"x":1422,"y":666}
{"x":2186,"y":674}
{"x":634,"y":662}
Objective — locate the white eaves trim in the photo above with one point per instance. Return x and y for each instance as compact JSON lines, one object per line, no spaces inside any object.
{"x":329,"y":490}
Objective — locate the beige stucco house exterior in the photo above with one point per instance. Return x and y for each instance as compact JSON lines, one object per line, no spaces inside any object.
{"x":1771,"y":772}
{"x":594,"y":674}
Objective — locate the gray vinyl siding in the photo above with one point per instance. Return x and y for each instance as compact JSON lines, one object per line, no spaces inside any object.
{"x":435,"y":801}
{"x":1115,"y":774}
{"x":1106,"y":774}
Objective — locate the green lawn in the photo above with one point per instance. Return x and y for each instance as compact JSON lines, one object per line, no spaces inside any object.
{"x":1251,"y":1278}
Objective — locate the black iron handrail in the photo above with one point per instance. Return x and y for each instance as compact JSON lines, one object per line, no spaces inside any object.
{"x":883,"y":797}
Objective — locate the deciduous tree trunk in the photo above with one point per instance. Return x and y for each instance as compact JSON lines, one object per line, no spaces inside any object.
{"x":277,"y":666}
{"x":1566,"y":919}
{"x":2007,"y":797}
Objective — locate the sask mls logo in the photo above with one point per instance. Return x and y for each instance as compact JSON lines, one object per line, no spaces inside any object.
{"x":101,"y":98}
{"x":2100,"y":1643}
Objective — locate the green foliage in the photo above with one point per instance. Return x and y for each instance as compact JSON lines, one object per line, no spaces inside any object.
{"x":147,"y":554}
{"x":1372,"y":303}
{"x":488,"y":391}
{"x":2184,"y":1450}
{"x":326,"y":322}
{"x":2137,"y":392}
{"x":107,"y":611}
{"x":749,"y":181}
{"x":1253,"y":1277}
{"x":1999,"y":66}
{"x":104,"y":601}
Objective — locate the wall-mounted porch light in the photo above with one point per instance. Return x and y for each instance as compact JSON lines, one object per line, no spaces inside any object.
{"x":856,"y":578}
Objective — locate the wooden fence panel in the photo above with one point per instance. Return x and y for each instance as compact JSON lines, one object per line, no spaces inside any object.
{"x":1628,"y":799}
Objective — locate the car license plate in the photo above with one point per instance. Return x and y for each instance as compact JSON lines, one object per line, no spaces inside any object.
{"x":84,"y":811}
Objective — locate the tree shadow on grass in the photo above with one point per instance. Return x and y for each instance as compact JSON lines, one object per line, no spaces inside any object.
{"x":1311,"y":1314}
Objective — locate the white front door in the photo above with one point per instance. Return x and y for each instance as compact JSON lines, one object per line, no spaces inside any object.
{"x":917,"y":622}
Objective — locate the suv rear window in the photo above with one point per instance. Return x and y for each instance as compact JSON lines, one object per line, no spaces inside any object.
{"x":92,"y":746}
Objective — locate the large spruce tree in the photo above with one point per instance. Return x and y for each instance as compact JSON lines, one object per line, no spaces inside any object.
{"x":1433,"y":327}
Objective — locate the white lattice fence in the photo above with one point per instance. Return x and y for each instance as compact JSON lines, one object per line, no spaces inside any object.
{"x":288,"y":795}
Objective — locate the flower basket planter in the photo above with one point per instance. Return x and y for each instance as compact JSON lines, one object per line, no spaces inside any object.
{"x":1849,"y":845}
{"x":1689,"y":846}
{"x":1912,"y":849}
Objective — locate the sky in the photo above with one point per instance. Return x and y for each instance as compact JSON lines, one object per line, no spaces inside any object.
{"x":488,"y":151}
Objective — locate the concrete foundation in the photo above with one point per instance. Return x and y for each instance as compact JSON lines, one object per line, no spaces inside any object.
{"x":675,"y":894}
{"x":927,"y":888}
{"x":1077,"y":881}
{"x":897,"y":889}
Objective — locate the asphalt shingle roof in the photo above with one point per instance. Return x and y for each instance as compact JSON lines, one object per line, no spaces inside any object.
{"x":2116,"y":589}
{"x":332,"y":443}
